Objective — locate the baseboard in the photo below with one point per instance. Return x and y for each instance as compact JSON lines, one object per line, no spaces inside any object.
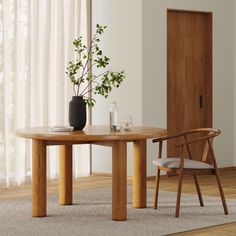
{"x":222,"y":169}
{"x":149,"y":178}
{"x":229,"y":168}
{"x":104,"y":174}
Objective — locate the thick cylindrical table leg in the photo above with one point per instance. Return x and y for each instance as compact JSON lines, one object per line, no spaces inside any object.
{"x":119,"y":180}
{"x":139,"y":174}
{"x":65,"y":175}
{"x":39,"y":181}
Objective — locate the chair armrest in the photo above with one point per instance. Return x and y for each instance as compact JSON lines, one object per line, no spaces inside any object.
{"x":216,"y":133}
{"x":167,"y":137}
{"x":210,"y":136}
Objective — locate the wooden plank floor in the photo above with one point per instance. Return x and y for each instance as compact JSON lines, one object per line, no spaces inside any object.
{"x":209,"y":188}
{"x":207,"y":183}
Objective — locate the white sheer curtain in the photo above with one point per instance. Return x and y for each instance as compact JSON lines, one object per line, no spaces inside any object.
{"x":35,"y":46}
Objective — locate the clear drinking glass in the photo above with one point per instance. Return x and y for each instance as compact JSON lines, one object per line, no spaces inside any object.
{"x":127,"y":122}
{"x":116,"y":126}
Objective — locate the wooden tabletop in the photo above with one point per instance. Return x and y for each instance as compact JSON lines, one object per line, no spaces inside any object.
{"x":91,"y":133}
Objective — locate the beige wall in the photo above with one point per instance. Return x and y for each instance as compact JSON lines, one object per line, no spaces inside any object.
{"x":154,"y":67}
{"x":122,"y":43}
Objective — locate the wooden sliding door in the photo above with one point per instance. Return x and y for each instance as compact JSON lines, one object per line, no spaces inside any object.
{"x":189,"y":73}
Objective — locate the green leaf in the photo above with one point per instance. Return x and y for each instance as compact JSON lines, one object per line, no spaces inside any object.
{"x":79,"y":70}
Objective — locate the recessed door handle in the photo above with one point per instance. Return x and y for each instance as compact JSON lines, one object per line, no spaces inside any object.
{"x":201,"y":100}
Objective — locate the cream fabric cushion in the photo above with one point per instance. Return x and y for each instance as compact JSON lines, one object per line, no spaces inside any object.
{"x":175,"y":162}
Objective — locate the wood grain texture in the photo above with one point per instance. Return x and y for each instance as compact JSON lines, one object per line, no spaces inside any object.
{"x":65,"y":175}
{"x":119,"y":181}
{"x":99,"y":135}
{"x":139,"y":174}
{"x":189,"y":74}
{"x":90,"y":134}
{"x":39,"y":181}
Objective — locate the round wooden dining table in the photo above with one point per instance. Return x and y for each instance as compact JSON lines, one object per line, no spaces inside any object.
{"x":97,"y":135}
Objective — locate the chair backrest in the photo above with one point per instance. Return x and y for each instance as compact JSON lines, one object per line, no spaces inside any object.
{"x":214,"y":132}
{"x":207,"y":138}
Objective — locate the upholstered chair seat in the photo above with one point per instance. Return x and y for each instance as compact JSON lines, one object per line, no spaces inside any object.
{"x":174,"y":163}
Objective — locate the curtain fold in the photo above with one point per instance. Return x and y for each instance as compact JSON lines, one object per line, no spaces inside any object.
{"x":35,"y":47}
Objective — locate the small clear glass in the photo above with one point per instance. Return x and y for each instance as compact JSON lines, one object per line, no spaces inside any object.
{"x":127,"y":122}
{"x":116,"y":127}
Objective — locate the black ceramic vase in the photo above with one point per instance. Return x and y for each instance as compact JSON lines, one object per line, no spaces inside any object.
{"x":77,"y":113}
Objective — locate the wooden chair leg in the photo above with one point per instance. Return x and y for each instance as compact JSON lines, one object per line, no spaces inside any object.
{"x":198,"y":191}
{"x":221,"y":192}
{"x":179,"y":195}
{"x":157,"y":187}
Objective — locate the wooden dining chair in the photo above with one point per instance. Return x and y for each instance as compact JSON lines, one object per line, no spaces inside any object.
{"x":183,"y":166}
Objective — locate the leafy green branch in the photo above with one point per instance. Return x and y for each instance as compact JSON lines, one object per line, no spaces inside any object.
{"x":79,"y":71}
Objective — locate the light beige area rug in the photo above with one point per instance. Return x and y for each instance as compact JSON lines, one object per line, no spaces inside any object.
{"x":91,"y":215}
